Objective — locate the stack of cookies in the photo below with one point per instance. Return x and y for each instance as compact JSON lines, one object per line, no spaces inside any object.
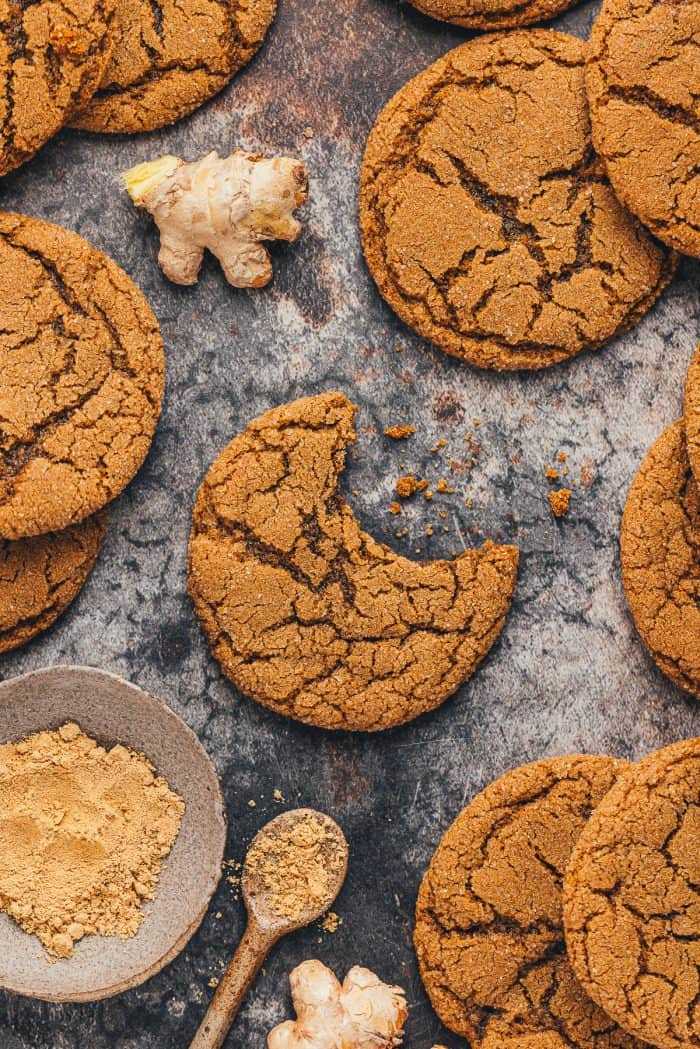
{"x":562,"y":908}
{"x":523,"y":199}
{"x":116,"y":65}
{"x":660,"y":544}
{"x":81,"y":389}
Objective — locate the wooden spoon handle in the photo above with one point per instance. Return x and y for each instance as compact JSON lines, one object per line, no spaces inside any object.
{"x":235,"y":984}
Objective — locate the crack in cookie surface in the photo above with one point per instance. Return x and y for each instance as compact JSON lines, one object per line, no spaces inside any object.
{"x":170,"y":56}
{"x":632,"y":899}
{"x":489,"y":929}
{"x":82,"y":378}
{"x":307,"y":613}
{"x":644,"y":88}
{"x":660,"y":552}
{"x":41,"y":576}
{"x":52,"y":56}
{"x":488,"y":222}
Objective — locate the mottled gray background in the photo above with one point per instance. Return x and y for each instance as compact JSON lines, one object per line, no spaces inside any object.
{"x":568,"y":673}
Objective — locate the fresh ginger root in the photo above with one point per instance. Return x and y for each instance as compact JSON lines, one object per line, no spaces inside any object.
{"x":362,"y":1014}
{"x":228,"y":205}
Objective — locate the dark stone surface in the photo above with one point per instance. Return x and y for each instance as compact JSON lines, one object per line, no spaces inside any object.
{"x":569,"y":672}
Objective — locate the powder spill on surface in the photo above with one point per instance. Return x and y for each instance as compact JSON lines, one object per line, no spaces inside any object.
{"x":83,"y":832}
{"x":295,"y":869}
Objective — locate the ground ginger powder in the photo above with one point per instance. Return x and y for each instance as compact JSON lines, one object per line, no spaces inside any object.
{"x":294,"y":869}
{"x":83,"y":832}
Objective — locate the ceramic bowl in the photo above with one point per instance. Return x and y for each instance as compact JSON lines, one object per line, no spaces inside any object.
{"x":113,"y":711}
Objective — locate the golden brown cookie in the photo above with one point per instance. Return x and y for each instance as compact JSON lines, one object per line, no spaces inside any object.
{"x":660,"y":552}
{"x":39,"y":577}
{"x":643,"y":83}
{"x":52,"y":57}
{"x":487,"y":221}
{"x":691,"y":411}
{"x":81,"y":383}
{"x":169,"y":57}
{"x":492,"y":14}
{"x":305,"y":612}
{"x":632,"y":899}
{"x":489,"y":932}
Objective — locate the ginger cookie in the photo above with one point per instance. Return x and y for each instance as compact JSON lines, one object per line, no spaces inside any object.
{"x":660,"y":553}
{"x":169,"y":58}
{"x":41,"y":576}
{"x":52,"y":58}
{"x":304,"y":611}
{"x":487,"y":221}
{"x":489,"y":926}
{"x":492,"y":14}
{"x":81,"y":383}
{"x":692,"y":414}
{"x":632,"y":899}
{"x":643,"y":83}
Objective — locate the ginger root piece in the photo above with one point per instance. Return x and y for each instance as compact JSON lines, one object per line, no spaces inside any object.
{"x":227,"y":205}
{"x":363,"y":1013}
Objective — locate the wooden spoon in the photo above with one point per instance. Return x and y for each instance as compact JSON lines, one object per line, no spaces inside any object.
{"x":294,"y":870}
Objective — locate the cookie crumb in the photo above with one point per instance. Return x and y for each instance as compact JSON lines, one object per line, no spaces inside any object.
{"x":278,"y":796}
{"x":400,"y":431}
{"x":331,"y":922}
{"x":395,"y":508}
{"x":561,"y":457}
{"x":552,"y":474}
{"x":408,"y":485}
{"x":442,"y":486}
{"x":560,"y":500}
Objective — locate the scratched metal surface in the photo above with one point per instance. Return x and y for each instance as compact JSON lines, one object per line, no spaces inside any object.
{"x":568,"y":674}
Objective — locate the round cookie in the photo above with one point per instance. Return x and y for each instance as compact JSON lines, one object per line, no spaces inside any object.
{"x":643,"y":85}
{"x":489,"y":930}
{"x":660,"y":553}
{"x":304,"y":611}
{"x":52,"y":57}
{"x":691,"y":411}
{"x":492,"y":14}
{"x":487,"y":221}
{"x":632,"y":899}
{"x":170,"y":57}
{"x":81,"y":382}
{"x":41,"y":576}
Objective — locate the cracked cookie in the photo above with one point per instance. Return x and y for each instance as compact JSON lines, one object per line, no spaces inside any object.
{"x":52,"y":57}
{"x":170,"y":57}
{"x":632,"y":899}
{"x":304,"y":611}
{"x":489,"y":928}
{"x":643,"y":83}
{"x":487,"y":221}
{"x":41,"y":576}
{"x":492,"y":14}
{"x":691,"y":410}
{"x":82,"y":378}
{"x":660,"y":553}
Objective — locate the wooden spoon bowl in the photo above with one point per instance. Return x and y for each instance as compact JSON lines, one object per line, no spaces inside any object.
{"x":113,"y":711}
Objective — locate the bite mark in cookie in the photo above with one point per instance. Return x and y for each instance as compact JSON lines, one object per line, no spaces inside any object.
{"x":308,"y":614}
